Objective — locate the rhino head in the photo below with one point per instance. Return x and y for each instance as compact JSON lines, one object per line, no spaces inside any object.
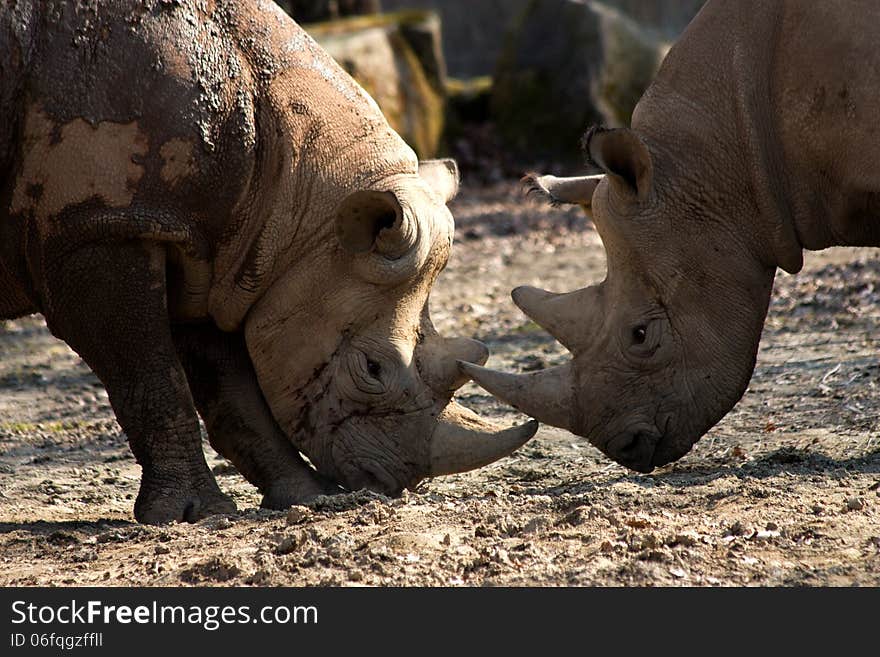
{"x":665,"y":346}
{"x":346,"y":354}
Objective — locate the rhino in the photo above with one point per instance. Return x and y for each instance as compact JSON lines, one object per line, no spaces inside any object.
{"x":221,"y":223}
{"x":756,"y":140}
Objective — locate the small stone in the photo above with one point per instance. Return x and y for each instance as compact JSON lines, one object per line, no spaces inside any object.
{"x":298,"y":514}
{"x":447,"y":540}
{"x":355,"y":575}
{"x":766,"y":534}
{"x":771,"y":527}
{"x":289,"y":544}
{"x":855,"y":504}
{"x":215,"y":523}
{"x":577,"y":517}
{"x":162,"y":549}
{"x":535,"y":525}
{"x":738,"y":529}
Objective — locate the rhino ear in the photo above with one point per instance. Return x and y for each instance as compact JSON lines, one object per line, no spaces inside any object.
{"x":367,"y":219}
{"x":622,"y":155}
{"x":442,"y":176}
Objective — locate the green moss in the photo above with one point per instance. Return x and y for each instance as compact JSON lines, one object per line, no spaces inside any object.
{"x":44,"y":427}
{"x":351,"y":24}
{"x":469,"y":87}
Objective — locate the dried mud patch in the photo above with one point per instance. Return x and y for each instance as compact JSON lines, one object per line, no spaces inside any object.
{"x":784,"y":491}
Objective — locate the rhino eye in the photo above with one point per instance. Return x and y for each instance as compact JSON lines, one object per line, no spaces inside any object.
{"x":640,"y":334}
{"x":373,"y":368}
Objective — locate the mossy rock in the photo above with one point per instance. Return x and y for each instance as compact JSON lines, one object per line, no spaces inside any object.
{"x":309,"y":11}
{"x":566,"y":65}
{"x":468,"y":99}
{"x":473,"y":30}
{"x":397,"y":59}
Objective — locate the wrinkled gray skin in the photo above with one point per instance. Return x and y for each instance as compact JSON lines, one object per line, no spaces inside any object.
{"x":758,"y":139}
{"x":219,"y":220}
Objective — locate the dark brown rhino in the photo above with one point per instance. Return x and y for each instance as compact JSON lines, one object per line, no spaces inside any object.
{"x":216,"y":217}
{"x":758,"y":139}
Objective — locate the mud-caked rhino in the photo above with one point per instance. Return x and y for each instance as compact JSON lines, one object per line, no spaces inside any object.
{"x":758,"y":138}
{"x":217,"y":218}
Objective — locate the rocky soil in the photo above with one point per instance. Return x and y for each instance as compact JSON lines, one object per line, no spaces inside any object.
{"x":784,"y":491}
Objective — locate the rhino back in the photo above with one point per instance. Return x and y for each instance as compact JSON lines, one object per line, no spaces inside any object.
{"x":826,"y":95}
{"x":134,"y":105}
{"x":776,"y":100}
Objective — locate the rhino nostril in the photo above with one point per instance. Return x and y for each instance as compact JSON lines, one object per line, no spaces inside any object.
{"x":627,"y":445}
{"x":635,"y":450}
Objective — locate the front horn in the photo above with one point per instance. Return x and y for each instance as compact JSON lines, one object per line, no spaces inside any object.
{"x":464,"y":441}
{"x":546,"y":395}
{"x":561,"y":315}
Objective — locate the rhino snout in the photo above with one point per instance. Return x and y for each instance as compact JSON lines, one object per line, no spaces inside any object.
{"x":635,"y":448}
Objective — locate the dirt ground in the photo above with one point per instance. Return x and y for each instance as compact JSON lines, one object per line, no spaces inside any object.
{"x":785,"y":491}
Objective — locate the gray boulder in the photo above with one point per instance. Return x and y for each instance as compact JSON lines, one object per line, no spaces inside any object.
{"x":473,"y":30}
{"x":567,"y":64}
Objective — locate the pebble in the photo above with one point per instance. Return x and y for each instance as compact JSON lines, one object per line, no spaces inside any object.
{"x":215,"y":523}
{"x":686,"y":539}
{"x":535,"y":525}
{"x":577,"y":517}
{"x":289,"y":544}
{"x":738,"y":529}
{"x":298,"y":514}
{"x":855,"y":504}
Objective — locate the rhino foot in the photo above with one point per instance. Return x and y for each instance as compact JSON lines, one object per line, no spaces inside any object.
{"x":285,"y":493}
{"x":159,"y":505}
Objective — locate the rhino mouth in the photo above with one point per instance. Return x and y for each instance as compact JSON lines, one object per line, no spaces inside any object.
{"x":375,"y":478}
{"x":381,"y":453}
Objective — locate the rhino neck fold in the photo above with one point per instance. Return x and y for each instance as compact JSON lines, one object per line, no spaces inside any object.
{"x":319,"y":138}
{"x":756,"y":121}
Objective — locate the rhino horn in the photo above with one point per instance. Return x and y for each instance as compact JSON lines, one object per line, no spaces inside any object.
{"x":561,"y":315}
{"x":463,"y":441}
{"x":545,"y":395}
{"x":439,"y":361}
{"x":563,"y":191}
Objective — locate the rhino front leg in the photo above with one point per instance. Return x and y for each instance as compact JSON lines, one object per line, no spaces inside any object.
{"x":108,"y":302}
{"x":240,"y":424}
